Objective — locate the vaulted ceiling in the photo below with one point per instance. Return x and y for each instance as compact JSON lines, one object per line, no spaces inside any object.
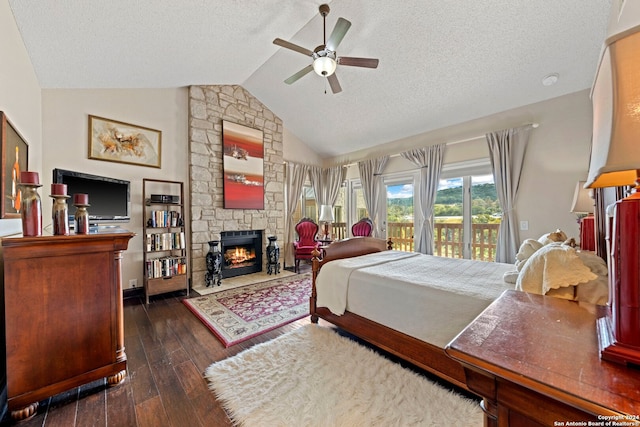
{"x":441,"y":62}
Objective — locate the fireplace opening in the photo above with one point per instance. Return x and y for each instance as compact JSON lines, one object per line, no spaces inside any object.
{"x":241,"y":252}
{"x":239,"y":256}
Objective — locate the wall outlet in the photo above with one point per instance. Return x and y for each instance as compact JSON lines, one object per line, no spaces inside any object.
{"x":524,"y":225}
{"x":133,"y":283}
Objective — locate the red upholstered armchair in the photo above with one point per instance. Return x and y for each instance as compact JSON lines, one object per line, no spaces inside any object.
{"x":306,"y":243}
{"x":364,"y":227}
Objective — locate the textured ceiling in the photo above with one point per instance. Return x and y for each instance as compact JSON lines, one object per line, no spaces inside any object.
{"x":442,"y":62}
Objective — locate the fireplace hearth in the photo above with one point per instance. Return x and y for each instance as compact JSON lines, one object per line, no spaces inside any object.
{"x":241,"y":252}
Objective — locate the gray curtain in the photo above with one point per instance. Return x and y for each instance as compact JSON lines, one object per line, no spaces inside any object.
{"x":370,"y":171}
{"x":333,"y":179}
{"x":507,"y":149}
{"x":315,"y":176}
{"x":326,"y":183}
{"x":295,"y":176}
{"x":429,"y":159}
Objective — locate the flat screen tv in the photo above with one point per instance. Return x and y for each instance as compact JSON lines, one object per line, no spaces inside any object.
{"x":108,"y":197}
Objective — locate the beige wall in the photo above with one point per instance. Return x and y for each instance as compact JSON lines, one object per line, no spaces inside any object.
{"x":557,"y":157}
{"x":65,"y":145}
{"x":19,"y":97}
{"x":297,"y":151}
{"x":65,"y":131}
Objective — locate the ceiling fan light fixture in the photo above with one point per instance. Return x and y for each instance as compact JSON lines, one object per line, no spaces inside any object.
{"x":324,"y":66}
{"x":324,"y":56}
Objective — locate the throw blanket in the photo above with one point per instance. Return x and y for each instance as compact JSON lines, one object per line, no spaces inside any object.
{"x":427,"y":297}
{"x":337,"y":273}
{"x":564,"y":272}
{"x":553,"y":267}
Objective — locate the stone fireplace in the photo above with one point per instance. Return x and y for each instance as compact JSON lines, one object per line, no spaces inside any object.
{"x":208,"y":107}
{"x":241,"y":252}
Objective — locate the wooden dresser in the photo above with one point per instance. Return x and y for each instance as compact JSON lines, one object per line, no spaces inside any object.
{"x":64,"y":318}
{"x":535,"y":361}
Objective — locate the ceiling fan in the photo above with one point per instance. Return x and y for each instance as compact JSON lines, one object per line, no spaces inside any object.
{"x":324,"y":56}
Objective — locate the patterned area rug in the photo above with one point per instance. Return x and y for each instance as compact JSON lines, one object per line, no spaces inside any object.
{"x":238,"y":314}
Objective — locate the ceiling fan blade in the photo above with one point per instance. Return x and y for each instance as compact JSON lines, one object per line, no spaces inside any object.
{"x":292,"y":46}
{"x":297,"y":76}
{"x":341,"y":28}
{"x":334,"y":83}
{"x":358,"y":62}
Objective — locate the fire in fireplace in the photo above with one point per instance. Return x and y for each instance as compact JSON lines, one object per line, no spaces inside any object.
{"x":241,"y":252}
{"x":239,"y":256}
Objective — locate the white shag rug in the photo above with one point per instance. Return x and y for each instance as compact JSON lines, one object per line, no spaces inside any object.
{"x":314,"y":377}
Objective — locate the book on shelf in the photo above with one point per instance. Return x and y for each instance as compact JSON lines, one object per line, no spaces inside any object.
{"x":165,"y":241}
{"x":165,"y":218}
{"x":166,"y":267}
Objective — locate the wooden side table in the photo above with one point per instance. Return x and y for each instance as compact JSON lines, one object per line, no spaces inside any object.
{"x":323,"y":245}
{"x":325,"y":242}
{"x":535,"y":361}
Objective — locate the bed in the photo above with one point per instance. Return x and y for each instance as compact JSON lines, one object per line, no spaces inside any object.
{"x":420,"y":339}
{"x":359,"y":281}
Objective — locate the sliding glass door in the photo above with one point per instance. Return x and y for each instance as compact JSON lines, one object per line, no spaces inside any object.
{"x":467,"y":217}
{"x":399,"y":201}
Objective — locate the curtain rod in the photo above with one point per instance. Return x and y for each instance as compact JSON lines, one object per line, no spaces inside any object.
{"x":533,"y":125}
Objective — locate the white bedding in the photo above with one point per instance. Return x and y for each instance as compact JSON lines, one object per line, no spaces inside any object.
{"x":428,"y":297}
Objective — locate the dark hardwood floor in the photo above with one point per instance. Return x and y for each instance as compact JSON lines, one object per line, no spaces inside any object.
{"x":168,"y":349}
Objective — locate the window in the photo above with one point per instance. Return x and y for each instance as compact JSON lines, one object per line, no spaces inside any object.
{"x":357,"y":207}
{"x":307,"y":207}
{"x":339,"y":226}
{"x":467,"y":213}
{"x":400,"y":228}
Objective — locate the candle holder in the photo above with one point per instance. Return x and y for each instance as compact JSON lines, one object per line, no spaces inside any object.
{"x":81,"y":217}
{"x":30,"y":205}
{"x":60,"y":214}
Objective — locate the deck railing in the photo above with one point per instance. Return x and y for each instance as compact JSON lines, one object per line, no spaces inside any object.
{"x":339,"y":231}
{"x":448,"y":241}
{"x":401,"y":234}
{"x":447,"y":238}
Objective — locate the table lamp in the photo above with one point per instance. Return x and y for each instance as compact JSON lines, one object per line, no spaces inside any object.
{"x":326,"y":216}
{"x":583,"y":205}
{"x":615,"y":161}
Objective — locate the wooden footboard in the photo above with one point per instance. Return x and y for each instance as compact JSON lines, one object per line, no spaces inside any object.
{"x":422,"y":354}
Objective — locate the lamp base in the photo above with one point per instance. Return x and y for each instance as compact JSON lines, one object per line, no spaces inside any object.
{"x":588,"y":233}
{"x":326,"y":235}
{"x":619,"y":331}
{"x":611,"y":350}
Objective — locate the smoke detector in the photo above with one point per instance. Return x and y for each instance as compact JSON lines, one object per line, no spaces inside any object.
{"x":550,"y":79}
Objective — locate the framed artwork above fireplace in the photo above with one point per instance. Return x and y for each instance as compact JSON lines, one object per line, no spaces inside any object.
{"x":243,"y":163}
